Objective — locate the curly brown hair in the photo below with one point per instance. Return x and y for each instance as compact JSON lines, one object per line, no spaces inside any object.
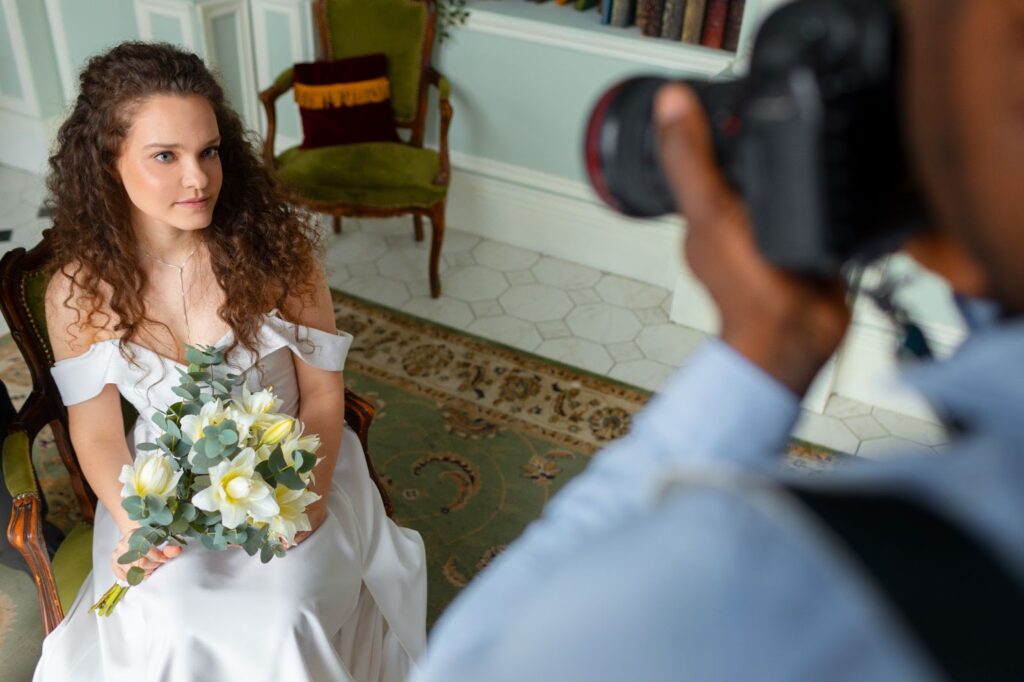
{"x":255,"y":234}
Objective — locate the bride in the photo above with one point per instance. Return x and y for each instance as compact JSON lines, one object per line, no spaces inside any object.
{"x":168,"y":231}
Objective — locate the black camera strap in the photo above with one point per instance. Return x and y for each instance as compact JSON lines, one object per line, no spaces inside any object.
{"x":954,"y":594}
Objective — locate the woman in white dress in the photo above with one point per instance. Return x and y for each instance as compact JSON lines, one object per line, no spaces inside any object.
{"x":168,"y":231}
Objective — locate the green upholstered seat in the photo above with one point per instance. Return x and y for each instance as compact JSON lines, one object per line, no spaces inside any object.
{"x":72,"y":563}
{"x":379,"y":174}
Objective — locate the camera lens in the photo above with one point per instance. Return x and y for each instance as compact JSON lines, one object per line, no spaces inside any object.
{"x":621,"y":150}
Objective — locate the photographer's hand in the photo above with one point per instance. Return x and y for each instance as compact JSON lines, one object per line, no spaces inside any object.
{"x":786,"y":325}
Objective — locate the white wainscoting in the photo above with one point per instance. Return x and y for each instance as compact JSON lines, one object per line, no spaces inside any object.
{"x":145,"y":10}
{"x":238,"y":11}
{"x":68,"y":79}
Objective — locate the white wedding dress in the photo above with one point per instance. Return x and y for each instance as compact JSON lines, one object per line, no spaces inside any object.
{"x":348,"y":603}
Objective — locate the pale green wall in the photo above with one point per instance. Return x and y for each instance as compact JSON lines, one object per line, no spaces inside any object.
{"x":524,"y":103}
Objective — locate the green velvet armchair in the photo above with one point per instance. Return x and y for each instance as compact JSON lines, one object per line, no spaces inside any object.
{"x":377,"y":179}
{"x":23,"y":280}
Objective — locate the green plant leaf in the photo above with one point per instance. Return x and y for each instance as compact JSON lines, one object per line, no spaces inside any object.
{"x":135,"y":507}
{"x":135,"y":575}
{"x":129,"y":557}
{"x":147,"y":446}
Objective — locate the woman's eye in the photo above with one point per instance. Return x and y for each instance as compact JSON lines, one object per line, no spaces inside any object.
{"x":163,"y":157}
{"x":211,"y":153}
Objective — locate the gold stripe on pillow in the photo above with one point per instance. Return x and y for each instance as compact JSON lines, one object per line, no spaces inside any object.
{"x":342,"y":94}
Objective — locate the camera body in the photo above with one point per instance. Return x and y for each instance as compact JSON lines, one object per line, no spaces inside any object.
{"x":811,"y":137}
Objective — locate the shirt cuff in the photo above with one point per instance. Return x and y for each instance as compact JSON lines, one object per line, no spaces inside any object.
{"x":721,"y":406}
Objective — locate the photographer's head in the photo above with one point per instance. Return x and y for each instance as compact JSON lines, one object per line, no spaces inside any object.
{"x":965,"y":120}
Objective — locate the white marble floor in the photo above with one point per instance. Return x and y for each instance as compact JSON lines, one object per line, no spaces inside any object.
{"x":577,"y":315}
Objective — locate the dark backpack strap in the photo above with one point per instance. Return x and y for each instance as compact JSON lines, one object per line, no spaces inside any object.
{"x":960,"y":600}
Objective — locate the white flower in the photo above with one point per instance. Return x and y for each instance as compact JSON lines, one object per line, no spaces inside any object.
{"x":257,"y":403}
{"x":292,"y":517}
{"x":150,"y":474}
{"x":277,"y":429}
{"x":211,"y":414}
{"x":237,"y":491}
{"x":296,"y":441}
{"x":252,"y":412}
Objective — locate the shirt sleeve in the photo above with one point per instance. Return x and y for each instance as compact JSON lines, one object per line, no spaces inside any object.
{"x":719,"y":408}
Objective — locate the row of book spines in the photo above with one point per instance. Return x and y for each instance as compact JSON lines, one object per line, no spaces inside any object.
{"x":711,"y":23}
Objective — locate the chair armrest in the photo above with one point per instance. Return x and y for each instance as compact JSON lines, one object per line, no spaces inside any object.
{"x":282,"y":84}
{"x":359,"y":415}
{"x":444,"y":90}
{"x":25,"y":529}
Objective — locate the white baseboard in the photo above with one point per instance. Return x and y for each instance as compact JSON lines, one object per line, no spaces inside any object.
{"x":559,"y":217}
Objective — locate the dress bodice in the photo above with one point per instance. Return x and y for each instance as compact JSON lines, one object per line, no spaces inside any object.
{"x":147,"y":382}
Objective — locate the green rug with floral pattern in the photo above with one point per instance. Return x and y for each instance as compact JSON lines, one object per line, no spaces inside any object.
{"x":471,"y":439}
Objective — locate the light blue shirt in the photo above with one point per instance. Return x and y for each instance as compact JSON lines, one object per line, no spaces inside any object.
{"x":674,"y":557}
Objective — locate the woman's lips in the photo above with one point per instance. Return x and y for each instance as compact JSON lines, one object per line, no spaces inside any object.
{"x":195,"y":203}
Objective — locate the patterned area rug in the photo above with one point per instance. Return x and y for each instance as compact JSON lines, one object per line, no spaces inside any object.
{"x":470,"y":437}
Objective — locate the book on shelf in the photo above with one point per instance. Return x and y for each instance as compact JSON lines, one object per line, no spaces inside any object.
{"x":734,"y":24}
{"x":715,"y":15}
{"x":622,"y":12}
{"x":648,"y":14}
{"x":672,"y":19}
{"x":606,"y":12}
{"x":693,"y":21}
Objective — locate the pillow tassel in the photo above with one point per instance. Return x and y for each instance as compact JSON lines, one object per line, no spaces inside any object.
{"x":335,"y":95}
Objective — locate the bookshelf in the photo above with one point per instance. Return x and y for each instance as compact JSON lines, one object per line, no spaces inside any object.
{"x":565,"y":27}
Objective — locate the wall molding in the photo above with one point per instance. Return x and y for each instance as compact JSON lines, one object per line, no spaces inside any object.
{"x":68,"y":79}
{"x":598,"y":41}
{"x":28,"y":103}
{"x":239,"y":11}
{"x":293,"y":9}
{"x":145,"y":10}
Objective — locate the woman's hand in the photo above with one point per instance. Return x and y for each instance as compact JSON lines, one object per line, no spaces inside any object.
{"x":153,"y":560}
{"x":317,"y":513}
{"x":786,"y":325}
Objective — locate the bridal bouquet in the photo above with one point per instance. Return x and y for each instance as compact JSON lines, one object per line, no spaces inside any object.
{"x":226,"y":469}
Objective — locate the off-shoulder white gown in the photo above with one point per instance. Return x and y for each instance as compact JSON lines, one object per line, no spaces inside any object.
{"x":349,"y":603}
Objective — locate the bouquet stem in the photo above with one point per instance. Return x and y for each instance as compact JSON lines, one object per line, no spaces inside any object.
{"x":110,"y":599}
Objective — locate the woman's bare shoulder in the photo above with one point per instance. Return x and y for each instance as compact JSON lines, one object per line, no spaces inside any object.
{"x":73,"y":319}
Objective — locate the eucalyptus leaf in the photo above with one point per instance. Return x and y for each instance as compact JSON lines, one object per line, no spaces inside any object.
{"x":147,"y":446}
{"x":135,"y":507}
{"x":228,"y":437}
{"x":290,"y":479}
{"x":135,"y":575}
{"x":129,"y":557}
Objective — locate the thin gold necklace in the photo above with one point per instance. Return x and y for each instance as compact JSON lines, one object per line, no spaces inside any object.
{"x":181,"y":283}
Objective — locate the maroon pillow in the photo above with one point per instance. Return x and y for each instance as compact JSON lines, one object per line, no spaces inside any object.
{"x":345,"y":101}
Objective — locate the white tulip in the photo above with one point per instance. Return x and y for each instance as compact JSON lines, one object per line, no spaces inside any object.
{"x":296,"y":441}
{"x":257,"y":403}
{"x":237,"y":492}
{"x":211,"y":414}
{"x":150,"y":474}
{"x":292,"y":518}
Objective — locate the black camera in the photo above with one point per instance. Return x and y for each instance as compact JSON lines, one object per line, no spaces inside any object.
{"x":811,"y":137}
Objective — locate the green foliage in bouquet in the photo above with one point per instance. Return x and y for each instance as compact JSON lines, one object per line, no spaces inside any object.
{"x":209,"y":437}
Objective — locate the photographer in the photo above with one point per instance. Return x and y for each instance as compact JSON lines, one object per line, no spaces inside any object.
{"x":685,"y":553}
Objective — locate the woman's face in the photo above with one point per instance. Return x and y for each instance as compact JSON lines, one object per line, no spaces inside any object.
{"x":169,"y":163}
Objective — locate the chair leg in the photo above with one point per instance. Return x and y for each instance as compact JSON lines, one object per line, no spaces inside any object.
{"x":337,"y":224}
{"x":417,"y":226}
{"x":436,"y":240}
